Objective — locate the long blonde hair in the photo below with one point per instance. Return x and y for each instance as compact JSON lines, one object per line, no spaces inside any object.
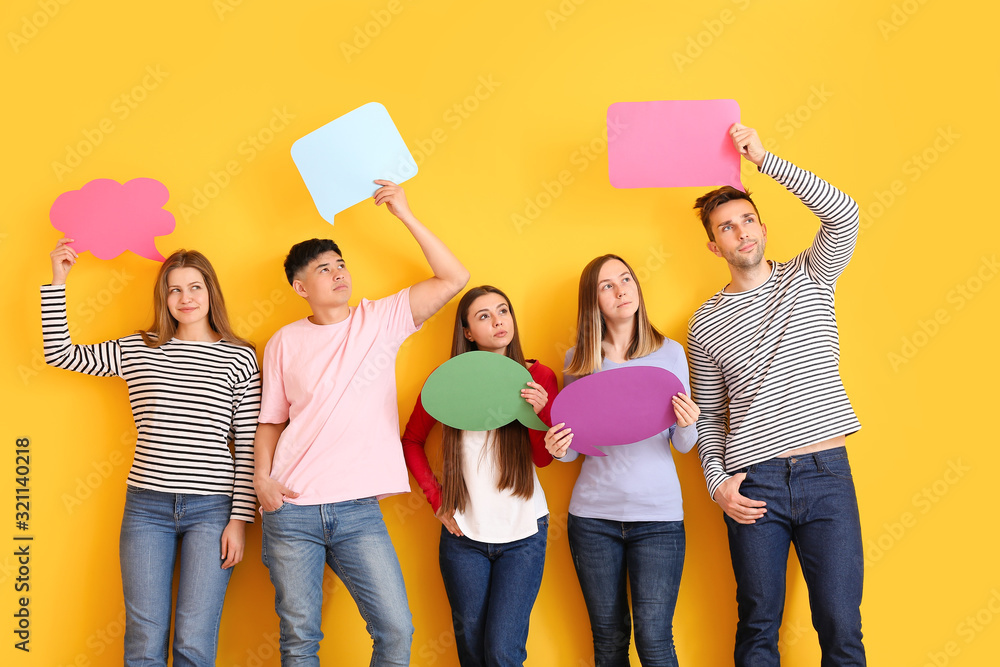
{"x":164,"y":326}
{"x":591,"y":328}
{"x":510,"y":443}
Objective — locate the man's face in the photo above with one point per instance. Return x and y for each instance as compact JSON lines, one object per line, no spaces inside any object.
{"x":325,"y":282}
{"x":739,"y":236}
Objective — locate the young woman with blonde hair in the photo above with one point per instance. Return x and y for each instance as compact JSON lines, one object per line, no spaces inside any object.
{"x":625,"y":525}
{"x":492,"y":507}
{"x":194,"y":388}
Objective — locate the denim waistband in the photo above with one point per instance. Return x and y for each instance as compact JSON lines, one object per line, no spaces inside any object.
{"x":788,"y":462}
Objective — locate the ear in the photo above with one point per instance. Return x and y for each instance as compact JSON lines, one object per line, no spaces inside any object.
{"x":300,"y":289}
{"x":468,"y":334}
{"x":713,"y":248}
{"x":763,"y":229}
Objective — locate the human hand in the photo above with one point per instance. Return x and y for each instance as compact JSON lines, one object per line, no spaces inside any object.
{"x":686,"y":409}
{"x":394,"y":198}
{"x":63,"y":258}
{"x":536,"y":395}
{"x":558,"y":439}
{"x":749,"y":145}
{"x":739,"y":508}
{"x":233,"y":542}
{"x":271,"y":493}
{"x":448,"y":519}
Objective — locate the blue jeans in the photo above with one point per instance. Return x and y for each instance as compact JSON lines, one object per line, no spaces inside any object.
{"x":351,"y":538}
{"x":153,"y":525}
{"x":811,"y":504}
{"x":492,"y":588}
{"x":649,"y":557}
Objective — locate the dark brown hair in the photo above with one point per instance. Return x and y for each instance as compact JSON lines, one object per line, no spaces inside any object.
{"x":509,"y":445}
{"x":590,"y":325}
{"x":164,"y":326}
{"x":710,"y":201}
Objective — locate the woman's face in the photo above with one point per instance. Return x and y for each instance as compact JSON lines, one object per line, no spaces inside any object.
{"x":617,"y":294}
{"x":187,"y":297}
{"x":491,"y":326}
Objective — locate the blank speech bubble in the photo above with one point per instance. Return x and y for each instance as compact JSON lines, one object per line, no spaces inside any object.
{"x":479,"y":391}
{"x":617,"y":407}
{"x":673,"y":144}
{"x":339,"y":161}
{"x":107,"y":217}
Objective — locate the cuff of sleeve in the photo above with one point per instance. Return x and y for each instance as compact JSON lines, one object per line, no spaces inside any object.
{"x":715,"y":483}
{"x":770,"y":164}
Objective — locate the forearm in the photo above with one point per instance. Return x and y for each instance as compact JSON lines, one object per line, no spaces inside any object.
{"x":712,"y":452}
{"x":708,"y":389}
{"x":450,"y":276}
{"x":684,"y":438}
{"x":244,"y":429}
{"x":264,"y":443}
{"x":545,"y":377}
{"x":440,"y":258}
{"x":102,"y":359}
{"x":838,"y":214}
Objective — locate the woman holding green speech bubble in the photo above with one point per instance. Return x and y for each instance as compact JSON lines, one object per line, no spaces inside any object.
{"x":626,"y":521}
{"x":490,"y":502}
{"x":194,"y":388}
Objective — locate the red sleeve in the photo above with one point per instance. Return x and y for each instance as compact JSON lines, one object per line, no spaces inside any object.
{"x":544,"y":376}
{"x":414,"y":439}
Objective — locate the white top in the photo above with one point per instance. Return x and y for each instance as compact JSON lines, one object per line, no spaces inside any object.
{"x":492,"y":515}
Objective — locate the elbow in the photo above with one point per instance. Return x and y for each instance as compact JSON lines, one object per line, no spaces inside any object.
{"x":461,"y":278}
{"x":686,"y":447}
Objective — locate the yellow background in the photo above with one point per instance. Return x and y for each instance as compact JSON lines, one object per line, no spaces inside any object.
{"x":854,"y":91}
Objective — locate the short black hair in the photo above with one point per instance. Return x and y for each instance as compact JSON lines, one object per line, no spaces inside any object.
{"x":302,"y":253}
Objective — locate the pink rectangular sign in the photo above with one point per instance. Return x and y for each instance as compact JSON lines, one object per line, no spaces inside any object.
{"x":673,"y":144}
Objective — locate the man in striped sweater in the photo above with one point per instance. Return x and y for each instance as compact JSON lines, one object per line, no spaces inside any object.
{"x":765,"y":356}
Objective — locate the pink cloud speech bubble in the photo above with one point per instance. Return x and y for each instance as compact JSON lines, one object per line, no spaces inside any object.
{"x":673,"y":144}
{"x":107,"y":217}
{"x":617,"y":407}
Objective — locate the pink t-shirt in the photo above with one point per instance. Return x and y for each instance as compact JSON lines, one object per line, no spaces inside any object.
{"x":336,"y":385}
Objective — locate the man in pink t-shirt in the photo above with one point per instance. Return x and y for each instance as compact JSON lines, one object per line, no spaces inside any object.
{"x":327,"y":445}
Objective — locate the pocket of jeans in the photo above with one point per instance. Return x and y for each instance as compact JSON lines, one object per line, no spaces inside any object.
{"x":840,"y":468}
{"x":748,"y":471}
{"x":370,"y":500}
{"x":274,"y":511}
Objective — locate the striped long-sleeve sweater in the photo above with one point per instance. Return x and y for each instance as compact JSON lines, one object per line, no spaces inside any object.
{"x":189,"y":400}
{"x":765,"y":362}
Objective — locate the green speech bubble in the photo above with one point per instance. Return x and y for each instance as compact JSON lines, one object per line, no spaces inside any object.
{"x":479,"y":391}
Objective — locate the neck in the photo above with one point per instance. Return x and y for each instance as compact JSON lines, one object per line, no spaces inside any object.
{"x":330,"y":315}
{"x":745,"y":279}
{"x":617,"y":339}
{"x":200,"y":332}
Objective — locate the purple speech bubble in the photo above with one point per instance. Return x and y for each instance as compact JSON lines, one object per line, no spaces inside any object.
{"x":107,"y":217}
{"x":673,"y":144}
{"x":617,"y":407}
